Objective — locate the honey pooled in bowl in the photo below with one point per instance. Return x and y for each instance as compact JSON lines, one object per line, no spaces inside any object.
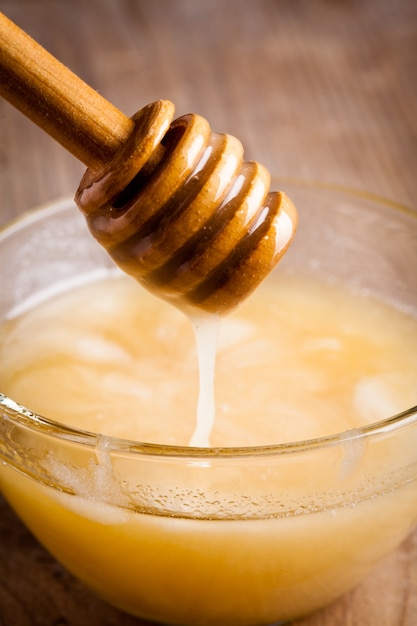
{"x":298,"y":360}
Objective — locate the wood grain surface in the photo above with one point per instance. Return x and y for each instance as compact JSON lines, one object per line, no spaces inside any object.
{"x":315,"y":89}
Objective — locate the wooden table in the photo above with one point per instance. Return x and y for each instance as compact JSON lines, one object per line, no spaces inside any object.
{"x":315,"y":89}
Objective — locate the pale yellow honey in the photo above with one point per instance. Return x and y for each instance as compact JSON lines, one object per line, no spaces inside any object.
{"x":298,"y":360}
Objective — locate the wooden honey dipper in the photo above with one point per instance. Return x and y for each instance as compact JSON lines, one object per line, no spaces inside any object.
{"x":172,"y":202}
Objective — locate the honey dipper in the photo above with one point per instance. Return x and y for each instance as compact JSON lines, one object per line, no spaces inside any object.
{"x":172,"y":202}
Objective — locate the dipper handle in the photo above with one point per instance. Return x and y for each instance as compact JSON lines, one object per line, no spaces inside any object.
{"x":173,"y":203}
{"x":57,"y":100}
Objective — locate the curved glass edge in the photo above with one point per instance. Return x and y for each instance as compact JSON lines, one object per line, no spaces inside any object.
{"x":23,"y":416}
{"x":20,"y":415}
{"x":32,"y":215}
{"x":346,"y":190}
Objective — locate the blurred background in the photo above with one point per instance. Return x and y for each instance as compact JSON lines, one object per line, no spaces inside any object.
{"x":315,"y":89}
{"x":320,"y":90}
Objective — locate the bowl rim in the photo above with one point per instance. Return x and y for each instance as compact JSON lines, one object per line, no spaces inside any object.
{"x":19,"y":415}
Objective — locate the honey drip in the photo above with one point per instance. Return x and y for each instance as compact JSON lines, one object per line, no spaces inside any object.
{"x":206,"y":330}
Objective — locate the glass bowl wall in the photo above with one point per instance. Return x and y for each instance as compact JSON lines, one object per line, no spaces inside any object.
{"x":237,"y":536}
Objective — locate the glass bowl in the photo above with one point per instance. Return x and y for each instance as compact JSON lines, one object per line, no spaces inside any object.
{"x":237,"y":536}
